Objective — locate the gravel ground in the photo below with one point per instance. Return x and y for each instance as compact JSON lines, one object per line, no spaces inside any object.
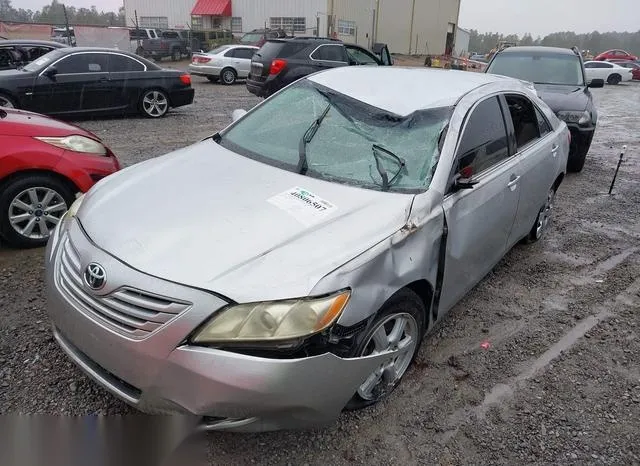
{"x":539,"y":364}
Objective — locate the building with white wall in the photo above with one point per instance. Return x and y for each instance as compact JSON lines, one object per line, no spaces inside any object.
{"x":407,"y":26}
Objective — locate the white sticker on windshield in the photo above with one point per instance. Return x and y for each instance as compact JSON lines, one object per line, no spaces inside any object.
{"x":305,"y":206}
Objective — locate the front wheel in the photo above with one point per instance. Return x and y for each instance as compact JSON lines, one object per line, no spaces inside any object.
{"x":30,"y":208}
{"x":154,"y":103}
{"x":7,"y":102}
{"x":399,"y":326}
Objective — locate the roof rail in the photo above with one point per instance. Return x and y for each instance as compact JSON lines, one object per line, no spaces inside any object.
{"x":317,"y":38}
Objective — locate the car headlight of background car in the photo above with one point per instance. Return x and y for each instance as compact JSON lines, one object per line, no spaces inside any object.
{"x":71,"y":212}
{"x":582,"y":118}
{"x":272,"y":321}
{"x":76,"y":143}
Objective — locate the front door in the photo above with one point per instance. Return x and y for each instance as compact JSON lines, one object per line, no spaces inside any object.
{"x":479,"y":219}
{"x":124,"y":75}
{"x":81,"y":84}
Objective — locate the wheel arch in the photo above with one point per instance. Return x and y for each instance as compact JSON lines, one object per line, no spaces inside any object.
{"x":70,"y":184}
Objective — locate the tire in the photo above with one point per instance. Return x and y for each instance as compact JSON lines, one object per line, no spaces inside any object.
{"x":578,"y":153}
{"x":140,"y":52}
{"x":7,"y":102}
{"x":28,"y":197}
{"x":407,"y":305}
{"x":176,"y":55}
{"x":154,"y":103}
{"x":213,"y":79}
{"x":614,"y":79}
{"x":544,"y":218}
{"x":228,"y":76}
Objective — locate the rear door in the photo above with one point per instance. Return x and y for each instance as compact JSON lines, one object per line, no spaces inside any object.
{"x":479,"y":219}
{"x":242,"y":60}
{"x":537,"y":152}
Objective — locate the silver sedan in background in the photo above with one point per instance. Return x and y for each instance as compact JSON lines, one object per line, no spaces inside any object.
{"x":301,"y":254}
{"x":225,"y":63}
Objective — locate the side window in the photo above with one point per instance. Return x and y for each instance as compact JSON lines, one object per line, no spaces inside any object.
{"x":484,"y":142}
{"x":358,"y":56}
{"x":525,"y":121}
{"x":120,"y":63}
{"x":543,"y":123}
{"x":230,"y":53}
{"x":588,"y":65}
{"x":247,"y":54}
{"x":7,"y":58}
{"x":83,"y":63}
{"x":330,"y":53}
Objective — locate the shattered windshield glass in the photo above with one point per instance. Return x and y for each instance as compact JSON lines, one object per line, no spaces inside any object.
{"x":316,"y":131}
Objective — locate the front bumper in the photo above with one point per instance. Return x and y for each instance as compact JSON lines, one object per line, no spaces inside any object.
{"x":182,"y":97}
{"x":158,"y":371}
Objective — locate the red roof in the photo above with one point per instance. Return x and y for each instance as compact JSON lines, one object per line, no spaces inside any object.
{"x":212,"y":8}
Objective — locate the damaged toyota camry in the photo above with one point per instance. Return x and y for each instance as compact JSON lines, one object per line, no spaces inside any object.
{"x":287,"y":268}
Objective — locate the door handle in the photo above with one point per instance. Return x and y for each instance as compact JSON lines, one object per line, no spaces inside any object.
{"x":513,"y":183}
{"x":554,"y":150}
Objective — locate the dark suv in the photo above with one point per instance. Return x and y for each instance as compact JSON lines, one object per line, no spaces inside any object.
{"x":282,"y":61}
{"x":559,"y":78}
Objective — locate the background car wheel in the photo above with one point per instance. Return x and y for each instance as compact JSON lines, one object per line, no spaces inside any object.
{"x":228,"y":76}
{"x":30,"y":208}
{"x":543,"y":220}
{"x":176,"y":55}
{"x":614,"y":79}
{"x":140,"y":52}
{"x":213,"y":79}
{"x":154,"y":103}
{"x":578,"y":154}
{"x":399,"y":324}
{"x":7,"y":102}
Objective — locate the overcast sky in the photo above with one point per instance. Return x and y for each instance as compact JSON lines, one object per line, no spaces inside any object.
{"x":539,"y":17}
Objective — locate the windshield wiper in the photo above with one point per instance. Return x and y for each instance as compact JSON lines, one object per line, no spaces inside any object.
{"x":386,"y":182}
{"x":306,"y":139}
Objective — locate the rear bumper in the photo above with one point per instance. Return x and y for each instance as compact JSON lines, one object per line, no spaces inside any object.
{"x":258,"y":88}
{"x":182,"y":97}
{"x":161,"y":373}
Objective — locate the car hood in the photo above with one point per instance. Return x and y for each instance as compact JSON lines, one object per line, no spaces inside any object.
{"x":209,"y":218}
{"x":563,"y":98}
{"x":23,"y":123}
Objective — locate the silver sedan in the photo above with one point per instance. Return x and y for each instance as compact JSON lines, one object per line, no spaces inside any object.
{"x":225,"y":63}
{"x":301,"y":254}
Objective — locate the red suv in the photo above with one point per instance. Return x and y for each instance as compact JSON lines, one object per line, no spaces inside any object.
{"x":44,"y":163}
{"x":616,"y":55}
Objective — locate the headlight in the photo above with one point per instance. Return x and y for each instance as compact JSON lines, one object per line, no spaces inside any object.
{"x":76,"y":144}
{"x":582,"y":118}
{"x":273,"y":321}
{"x":72,"y":212}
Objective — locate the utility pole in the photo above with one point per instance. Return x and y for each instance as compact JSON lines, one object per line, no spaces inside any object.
{"x":66,"y":24}
{"x":413,"y":14}
{"x":375,"y":33}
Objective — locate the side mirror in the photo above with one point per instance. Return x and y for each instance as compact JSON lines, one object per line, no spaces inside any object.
{"x":463,"y":180}
{"x":237,"y":114}
{"x":596,"y":83}
{"x":51,"y":72}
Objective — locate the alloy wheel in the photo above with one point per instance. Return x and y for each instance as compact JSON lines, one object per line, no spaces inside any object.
{"x":155,"y":104}
{"x":5,"y":102}
{"x":544,"y":217}
{"x":228,"y":77}
{"x":36,"y":211}
{"x":399,"y":332}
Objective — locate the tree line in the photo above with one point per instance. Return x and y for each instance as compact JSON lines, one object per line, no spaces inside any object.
{"x":596,"y":42}
{"x":54,"y":14}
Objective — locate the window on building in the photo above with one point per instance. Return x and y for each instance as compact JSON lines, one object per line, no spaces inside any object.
{"x":196,"y":22}
{"x":236,"y":24}
{"x":157,"y":22}
{"x":346,"y":28}
{"x":295,"y":24}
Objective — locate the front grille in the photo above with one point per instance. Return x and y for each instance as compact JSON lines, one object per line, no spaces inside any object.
{"x":132,"y":312}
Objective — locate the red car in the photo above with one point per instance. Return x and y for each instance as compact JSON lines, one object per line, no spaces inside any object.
{"x":616,"y":55}
{"x":44,"y":163}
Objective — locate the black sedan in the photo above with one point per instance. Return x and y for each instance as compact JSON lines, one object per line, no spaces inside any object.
{"x":78,"y":81}
{"x":18,"y":52}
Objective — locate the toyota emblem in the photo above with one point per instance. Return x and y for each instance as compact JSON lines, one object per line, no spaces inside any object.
{"x":95,"y":276}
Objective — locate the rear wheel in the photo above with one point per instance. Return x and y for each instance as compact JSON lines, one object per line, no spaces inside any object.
{"x":399,"y":326}
{"x":154,"y":103}
{"x":30,"y":208}
{"x":228,"y":76}
{"x":176,"y":55}
{"x":543,"y":220}
{"x":7,"y":102}
{"x":614,"y":79}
